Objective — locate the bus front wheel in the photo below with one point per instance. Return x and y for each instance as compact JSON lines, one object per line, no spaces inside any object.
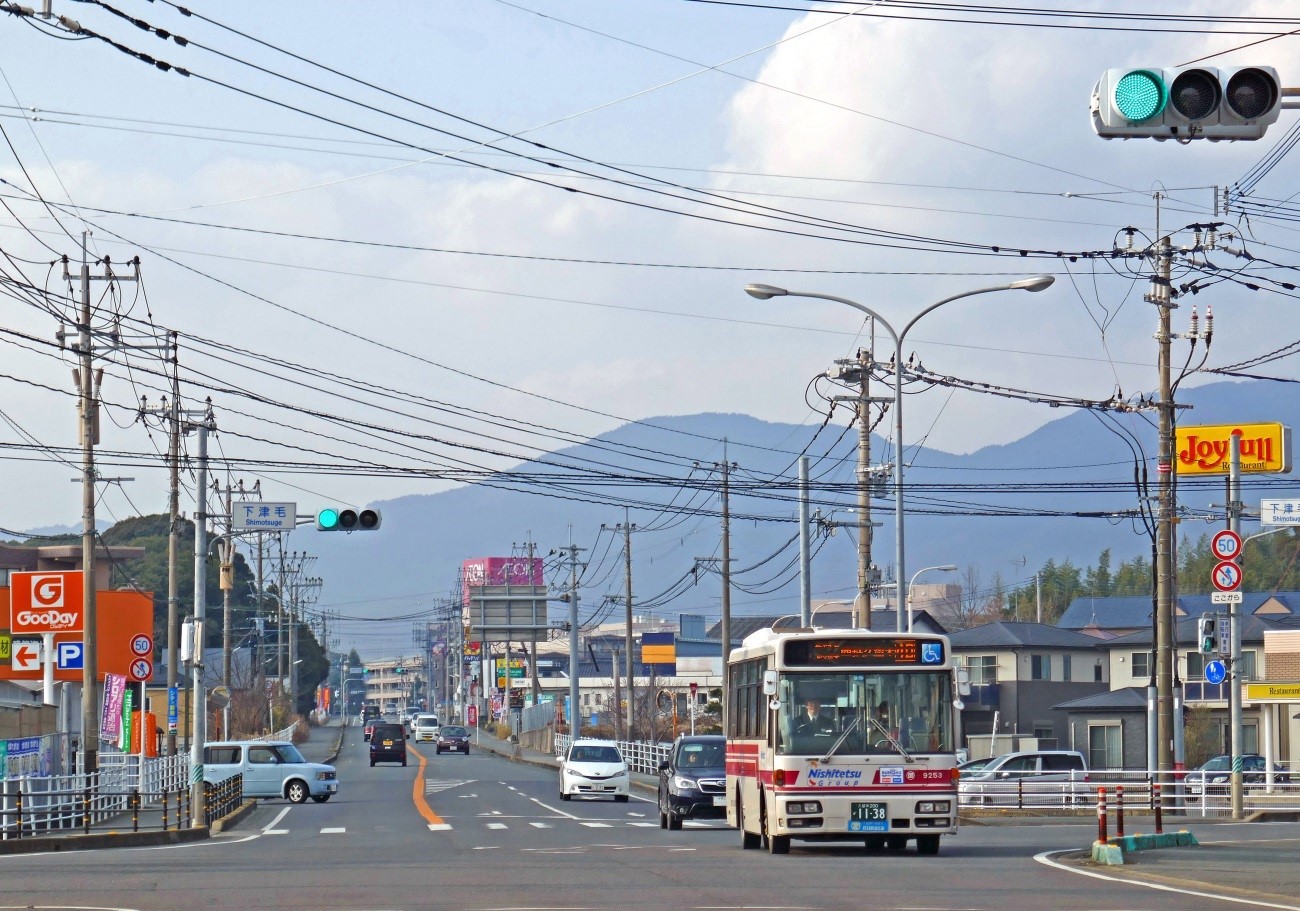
{"x":776,"y":844}
{"x":748,"y":841}
{"x":896,"y":842}
{"x":927,"y":844}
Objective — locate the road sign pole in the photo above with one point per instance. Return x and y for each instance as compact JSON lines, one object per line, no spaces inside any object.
{"x":1234,"y":613}
{"x":47,"y":675}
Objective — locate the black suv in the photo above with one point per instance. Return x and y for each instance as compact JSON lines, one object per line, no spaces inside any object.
{"x":388,"y":743}
{"x":693,"y":780}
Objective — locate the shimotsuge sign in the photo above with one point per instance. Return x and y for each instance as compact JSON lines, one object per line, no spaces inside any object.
{"x":1265,"y":449}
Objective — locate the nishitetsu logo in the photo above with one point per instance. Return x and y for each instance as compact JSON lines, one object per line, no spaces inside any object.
{"x":834,"y":778}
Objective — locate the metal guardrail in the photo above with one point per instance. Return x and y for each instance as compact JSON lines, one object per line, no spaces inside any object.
{"x":641,"y":755}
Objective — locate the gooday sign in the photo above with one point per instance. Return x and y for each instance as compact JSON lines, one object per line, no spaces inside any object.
{"x":46,"y":602}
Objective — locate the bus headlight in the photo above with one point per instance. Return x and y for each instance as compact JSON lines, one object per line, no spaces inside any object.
{"x":934,"y":806}
{"x":796,"y":807}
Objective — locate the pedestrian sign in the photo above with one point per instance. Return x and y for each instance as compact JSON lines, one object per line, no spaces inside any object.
{"x":1215,"y":672}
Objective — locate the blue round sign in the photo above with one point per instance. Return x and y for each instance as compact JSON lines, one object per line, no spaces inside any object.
{"x":1215,"y":672}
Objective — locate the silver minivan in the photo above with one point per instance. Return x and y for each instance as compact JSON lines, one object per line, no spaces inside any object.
{"x":271,"y":768}
{"x":1028,"y":779}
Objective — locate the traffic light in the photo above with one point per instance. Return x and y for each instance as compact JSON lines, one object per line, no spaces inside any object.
{"x":334,"y":518}
{"x":1207,"y":635}
{"x":1186,"y":102}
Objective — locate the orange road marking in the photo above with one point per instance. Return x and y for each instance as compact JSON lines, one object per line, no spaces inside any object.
{"x":417,"y":795}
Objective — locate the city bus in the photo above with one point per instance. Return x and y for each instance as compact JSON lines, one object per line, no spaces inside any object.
{"x":836,"y":735}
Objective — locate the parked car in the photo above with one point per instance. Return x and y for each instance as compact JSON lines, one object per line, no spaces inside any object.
{"x":424,"y":729}
{"x":1214,"y":776}
{"x":453,"y":738}
{"x":594,"y":768}
{"x":693,"y":780}
{"x":971,"y":766}
{"x":388,"y":744}
{"x":271,"y":768}
{"x":1035,"y":778}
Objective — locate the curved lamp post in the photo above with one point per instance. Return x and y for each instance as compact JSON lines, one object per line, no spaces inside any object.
{"x":946,"y":568}
{"x":766,"y":292}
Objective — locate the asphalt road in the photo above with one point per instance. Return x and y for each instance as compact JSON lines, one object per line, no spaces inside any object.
{"x":480,"y":832}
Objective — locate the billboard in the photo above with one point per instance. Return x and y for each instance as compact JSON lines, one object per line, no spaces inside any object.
{"x":125,"y":621}
{"x":481,"y":571}
{"x":1204,"y":449}
{"x":505,"y":598}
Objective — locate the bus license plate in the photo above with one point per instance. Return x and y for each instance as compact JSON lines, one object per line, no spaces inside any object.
{"x":868,"y":817}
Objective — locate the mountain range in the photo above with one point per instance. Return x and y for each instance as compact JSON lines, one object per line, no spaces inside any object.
{"x":1064,"y":492}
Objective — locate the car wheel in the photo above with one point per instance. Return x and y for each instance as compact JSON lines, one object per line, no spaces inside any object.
{"x":297,"y":791}
{"x":403,"y":760}
{"x":663,"y":820}
{"x":372,"y":763}
{"x":320,"y":798}
{"x":674,"y":822}
{"x":621,"y":798}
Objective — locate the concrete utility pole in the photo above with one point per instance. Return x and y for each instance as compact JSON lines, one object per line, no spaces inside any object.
{"x":858,"y":371}
{"x":627,"y":528}
{"x":173,"y":533}
{"x":198,"y":697}
{"x":1159,"y":296}
{"x":575,"y":710}
{"x":725,"y":626}
{"x":88,"y":405}
{"x":805,"y":555}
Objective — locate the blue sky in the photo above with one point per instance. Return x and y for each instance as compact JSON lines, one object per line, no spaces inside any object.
{"x":601,"y":310}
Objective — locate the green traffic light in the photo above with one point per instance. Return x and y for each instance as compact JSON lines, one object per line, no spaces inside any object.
{"x":1140,"y":95}
{"x":327,"y":519}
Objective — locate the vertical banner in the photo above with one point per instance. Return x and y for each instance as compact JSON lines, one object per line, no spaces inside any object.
{"x":124,"y":739}
{"x":110,"y":717}
{"x":173,"y":709}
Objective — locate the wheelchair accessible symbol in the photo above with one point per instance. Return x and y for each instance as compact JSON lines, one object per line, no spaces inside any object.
{"x":931,"y":653}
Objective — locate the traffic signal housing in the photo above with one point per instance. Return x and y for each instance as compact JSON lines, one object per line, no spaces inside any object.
{"x":1186,"y":102}
{"x":337,"y":518}
{"x":1207,"y":635}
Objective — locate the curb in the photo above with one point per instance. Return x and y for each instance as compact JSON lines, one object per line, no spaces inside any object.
{"x":1112,"y":852}
{"x":234,"y":817}
{"x":43,"y":844}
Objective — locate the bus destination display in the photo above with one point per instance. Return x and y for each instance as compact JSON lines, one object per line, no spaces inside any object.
{"x":896,"y":651}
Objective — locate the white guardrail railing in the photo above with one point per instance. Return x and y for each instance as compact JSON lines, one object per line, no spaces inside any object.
{"x":641,"y":755}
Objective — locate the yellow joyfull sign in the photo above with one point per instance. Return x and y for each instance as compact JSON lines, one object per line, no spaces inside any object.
{"x":1265,"y":449}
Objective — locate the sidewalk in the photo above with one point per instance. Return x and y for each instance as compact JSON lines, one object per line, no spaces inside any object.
{"x":120,"y":831}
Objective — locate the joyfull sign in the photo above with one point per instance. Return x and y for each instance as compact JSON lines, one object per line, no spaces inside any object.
{"x":45,"y":602}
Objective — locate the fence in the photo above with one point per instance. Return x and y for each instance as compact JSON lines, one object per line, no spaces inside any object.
{"x":641,"y":755}
{"x":532,"y":718}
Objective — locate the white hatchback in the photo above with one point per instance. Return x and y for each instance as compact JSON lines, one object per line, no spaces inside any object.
{"x":594,"y":768}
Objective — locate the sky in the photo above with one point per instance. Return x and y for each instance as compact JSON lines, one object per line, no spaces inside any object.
{"x":544,"y":213}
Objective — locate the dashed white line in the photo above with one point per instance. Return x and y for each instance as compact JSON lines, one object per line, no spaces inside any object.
{"x":540,"y":825}
{"x":597,"y":825}
{"x":334,"y":830}
{"x":497,"y":825}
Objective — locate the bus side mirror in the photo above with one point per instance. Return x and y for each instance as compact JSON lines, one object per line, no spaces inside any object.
{"x":963,"y":682}
{"x":769,"y":683}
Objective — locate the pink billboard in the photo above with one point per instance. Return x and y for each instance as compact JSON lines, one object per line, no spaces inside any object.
{"x":500,"y":571}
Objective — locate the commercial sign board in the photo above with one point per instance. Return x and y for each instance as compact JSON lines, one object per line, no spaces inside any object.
{"x":123,"y":616}
{"x":1279,"y":512}
{"x":1206,"y":449}
{"x":480,"y":571}
{"x":1273,"y":692}
{"x":660,"y":651}
{"x":46,"y":602}
{"x":505,"y":598}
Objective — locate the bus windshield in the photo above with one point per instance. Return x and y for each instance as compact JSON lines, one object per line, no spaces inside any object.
{"x":911,"y":708}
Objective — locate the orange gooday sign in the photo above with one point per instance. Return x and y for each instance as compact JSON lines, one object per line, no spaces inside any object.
{"x":1265,"y":449}
{"x":122,"y":617}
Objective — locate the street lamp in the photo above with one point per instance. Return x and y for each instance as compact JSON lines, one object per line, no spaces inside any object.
{"x":766,"y":292}
{"x":946,"y":568}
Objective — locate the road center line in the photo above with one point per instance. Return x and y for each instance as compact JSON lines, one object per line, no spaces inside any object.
{"x":436,"y":822}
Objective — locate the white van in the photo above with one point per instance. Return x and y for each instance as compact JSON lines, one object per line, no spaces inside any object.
{"x":271,"y":768}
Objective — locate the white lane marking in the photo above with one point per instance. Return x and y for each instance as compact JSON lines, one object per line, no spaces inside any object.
{"x":597,"y":825}
{"x":556,"y":810}
{"x":439,"y":826}
{"x":1045,"y":858}
{"x":333,"y":830}
{"x":540,"y":825}
{"x":497,"y":825}
{"x":512,"y":787}
{"x":267,"y":829}
{"x":636,"y":814}
{"x":644,"y":825}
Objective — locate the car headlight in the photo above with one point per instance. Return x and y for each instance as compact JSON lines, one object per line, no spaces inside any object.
{"x":324,"y":776}
{"x":682,"y":783}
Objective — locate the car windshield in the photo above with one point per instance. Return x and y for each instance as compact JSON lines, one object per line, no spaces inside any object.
{"x":701,"y":756}
{"x":452,"y":730}
{"x":594,"y":754}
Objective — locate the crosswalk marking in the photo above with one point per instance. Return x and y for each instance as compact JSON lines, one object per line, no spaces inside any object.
{"x":644,"y":825}
{"x":597,"y":825}
{"x":540,"y":825}
{"x":335,"y":830}
{"x":497,"y":825}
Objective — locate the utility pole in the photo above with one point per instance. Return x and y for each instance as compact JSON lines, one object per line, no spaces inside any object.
{"x":1159,"y":295}
{"x":87,"y":387}
{"x":173,"y":534}
{"x":725,"y":627}
{"x":575,"y":710}
{"x":198,"y":698}
{"x":805,"y":557}
{"x":628,"y":528}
